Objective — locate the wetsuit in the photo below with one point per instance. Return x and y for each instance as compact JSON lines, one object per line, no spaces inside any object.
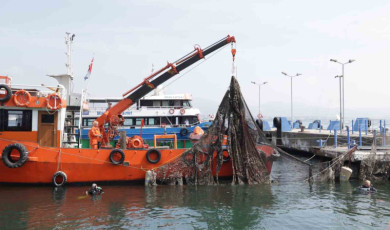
{"x":367,"y":189}
{"x":95,"y":191}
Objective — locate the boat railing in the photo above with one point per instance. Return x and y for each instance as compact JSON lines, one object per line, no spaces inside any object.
{"x":40,"y":90}
{"x":100,"y":108}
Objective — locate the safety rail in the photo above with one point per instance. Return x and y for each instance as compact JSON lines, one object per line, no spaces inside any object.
{"x":165,"y":136}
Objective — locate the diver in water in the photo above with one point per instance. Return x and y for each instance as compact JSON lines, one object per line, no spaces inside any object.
{"x":95,"y":190}
{"x":367,"y":186}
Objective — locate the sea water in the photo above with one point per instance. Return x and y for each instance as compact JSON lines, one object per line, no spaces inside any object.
{"x":288,"y":203}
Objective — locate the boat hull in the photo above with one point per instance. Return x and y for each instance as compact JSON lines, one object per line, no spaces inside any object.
{"x":90,"y":165}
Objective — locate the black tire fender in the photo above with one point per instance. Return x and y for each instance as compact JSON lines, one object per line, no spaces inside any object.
{"x":8,"y":93}
{"x":59,"y":174}
{"x":6,"y":155}
{"x":112,"y":154}
{"x":184,"y":132}
{"x":155,"y":151}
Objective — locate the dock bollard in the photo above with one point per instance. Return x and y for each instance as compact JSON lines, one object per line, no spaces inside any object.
{"x":360,"y":136}
{"x":348,"y":137}
{"x":335,"y":138}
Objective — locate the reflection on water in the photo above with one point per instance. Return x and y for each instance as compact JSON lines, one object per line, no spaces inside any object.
{"x":288,"y":204}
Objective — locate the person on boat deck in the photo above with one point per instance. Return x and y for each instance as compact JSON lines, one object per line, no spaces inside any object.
{"x":95,"y":136}
{"x":95,"y":190}
{"x":367,"y":185}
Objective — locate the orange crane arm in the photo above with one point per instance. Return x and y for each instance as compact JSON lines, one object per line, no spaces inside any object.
{"x":113,"y":116}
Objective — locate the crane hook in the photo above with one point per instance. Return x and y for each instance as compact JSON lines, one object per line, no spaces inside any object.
{"x":234,"y":50}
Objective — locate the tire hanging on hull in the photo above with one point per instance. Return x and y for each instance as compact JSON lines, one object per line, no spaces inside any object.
{"x":59,"y":178}
{"x":7,"y":156}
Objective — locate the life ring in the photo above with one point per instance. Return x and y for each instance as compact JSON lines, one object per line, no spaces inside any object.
{"x":171,"y":111}
{"x":184,"y":132}
{"x":113,"y":156}
{"x":8,"y":93}
{"x":136,"y":142}
{"x":153,"y":151}
{"x":22,"y":98}
{"x":9,"y":159}
{"x":53,"y":101}
{"x":182,"y":111}
{"x":59,"y":178}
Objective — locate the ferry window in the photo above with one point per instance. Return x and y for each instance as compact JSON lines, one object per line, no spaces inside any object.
{"x":47,"y":118}
{"x":186,"y":104}
{"x":156,"y":103}
{"x":151,"y":121}
{"x":17,"y":120}
{"x":146,"y":103}
{"x":165,"y":103}
{"x":88,"y":121}
{"x":165,"y":120}
{"x":138,"y":121}
{"x":177,"y":104}
{"x":129,"y":121}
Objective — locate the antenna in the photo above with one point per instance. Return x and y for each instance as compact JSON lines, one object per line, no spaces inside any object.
{"x":68,"y":41}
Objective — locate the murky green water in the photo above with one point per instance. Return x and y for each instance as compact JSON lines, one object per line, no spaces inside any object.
{"x":288,"y":204}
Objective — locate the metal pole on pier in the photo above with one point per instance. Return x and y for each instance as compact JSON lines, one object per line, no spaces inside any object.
{"x":335,"y":138}
{"x":291,"y":76}
{"x":342,"y":106}
{"x":348,"y":137}
{"x":384,"y":132}
{"x":360,"y":136}
{"x":263,"y":83}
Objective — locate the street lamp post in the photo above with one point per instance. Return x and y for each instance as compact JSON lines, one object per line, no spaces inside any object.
{"x":259,"y":84}
{"x":291,"y":76}
{"x":341,"y":83}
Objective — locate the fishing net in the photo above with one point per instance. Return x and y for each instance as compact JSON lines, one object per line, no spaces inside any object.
{"x":202,"y":163}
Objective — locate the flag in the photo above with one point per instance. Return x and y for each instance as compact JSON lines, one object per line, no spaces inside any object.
{"x":89,"y":70}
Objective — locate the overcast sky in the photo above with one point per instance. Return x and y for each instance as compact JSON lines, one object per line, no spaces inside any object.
{"x":127,"y":37}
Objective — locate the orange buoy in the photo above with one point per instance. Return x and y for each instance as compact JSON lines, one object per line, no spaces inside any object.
{"x":22,"y":98}
{"x":53,"y":101}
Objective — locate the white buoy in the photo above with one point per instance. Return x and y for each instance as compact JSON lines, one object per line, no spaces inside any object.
{"x":345,"y":173}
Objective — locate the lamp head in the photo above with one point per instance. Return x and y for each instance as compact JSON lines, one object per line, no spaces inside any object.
{"x":253,"y":82}
{"x":333,"y":60}
{"x":298,"y":74}
{"x":284,"y":73}
{"x":351,"y":60}
{"x":265,"y":82}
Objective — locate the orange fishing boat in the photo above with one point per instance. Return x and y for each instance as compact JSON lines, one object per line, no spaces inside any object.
{"x":35,"y":131}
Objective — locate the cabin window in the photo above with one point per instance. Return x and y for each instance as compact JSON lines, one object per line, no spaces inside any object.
{"x":177,"y":103}
{"x":129,"y":121}
{"x":151,"y":121}
{"x":88,"y":121}
{"x":146,"y":103}
{"x":15,"y":120}
{"x":165,"y":103}
{"x":47,"y":118}
{"x":156,"y":103}
{"x":138,"y":121}
{"x":186,"y":104}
